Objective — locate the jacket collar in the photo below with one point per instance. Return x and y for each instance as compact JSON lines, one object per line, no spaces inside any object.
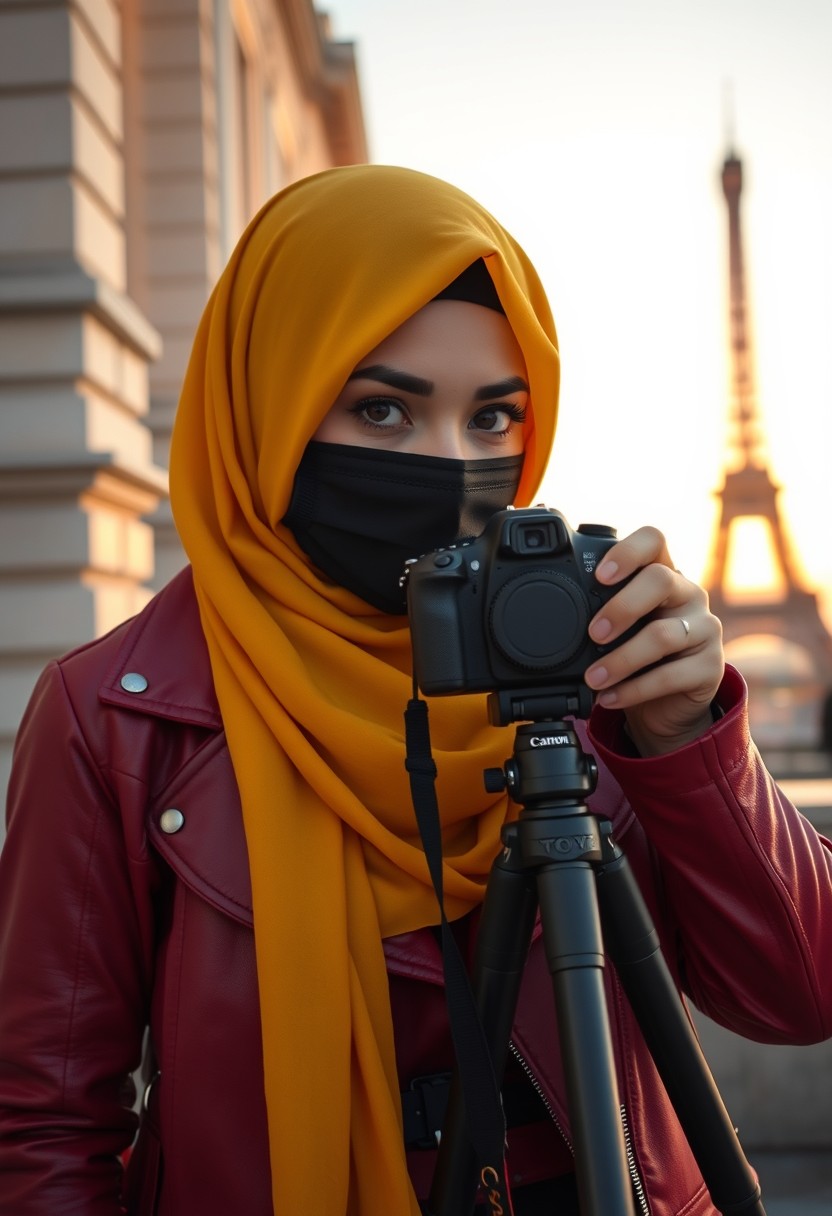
{"x":162,"y":666}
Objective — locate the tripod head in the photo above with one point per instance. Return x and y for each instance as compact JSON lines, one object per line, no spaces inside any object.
{"x":548,"y":768}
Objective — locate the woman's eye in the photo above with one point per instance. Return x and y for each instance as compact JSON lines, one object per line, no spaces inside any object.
{"x":498,"y":420}
{"x":379,"y":412}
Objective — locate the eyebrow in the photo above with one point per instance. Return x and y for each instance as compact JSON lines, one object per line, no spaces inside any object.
{"x":423,"y":388}
{"x":512,"y":384}
{"x":396,"y":379}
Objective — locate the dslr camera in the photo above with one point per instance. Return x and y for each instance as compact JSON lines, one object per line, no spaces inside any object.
{"x":511,"y":608}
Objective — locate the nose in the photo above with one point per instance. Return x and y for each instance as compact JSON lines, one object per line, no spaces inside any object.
{"x":446,"y":438}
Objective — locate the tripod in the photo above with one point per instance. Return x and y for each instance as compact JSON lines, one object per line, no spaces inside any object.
{"x":562,"y":859}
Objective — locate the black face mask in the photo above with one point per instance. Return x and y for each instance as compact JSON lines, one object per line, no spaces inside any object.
{"x":360,"y":513}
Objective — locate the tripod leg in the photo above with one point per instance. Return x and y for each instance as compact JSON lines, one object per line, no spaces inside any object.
{"x":574,"y":950}
{"x":502,"y":946}
{"x":633,"y":945}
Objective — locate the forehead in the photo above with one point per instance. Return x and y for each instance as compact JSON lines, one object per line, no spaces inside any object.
{"x":452,"y":331}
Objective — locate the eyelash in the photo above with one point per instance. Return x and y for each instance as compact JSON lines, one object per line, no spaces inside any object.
{"x":360,"y":406}
{"x":517,"y":413}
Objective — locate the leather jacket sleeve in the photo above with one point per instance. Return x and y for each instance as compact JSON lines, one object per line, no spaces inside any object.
{"x":75,"y":968}
{"x":746,"y":879}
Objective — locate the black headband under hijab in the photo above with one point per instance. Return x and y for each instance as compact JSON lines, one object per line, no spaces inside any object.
{"x":474,"y":286}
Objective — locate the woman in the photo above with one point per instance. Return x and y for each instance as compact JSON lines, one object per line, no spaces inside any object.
{"x":210,"y":828}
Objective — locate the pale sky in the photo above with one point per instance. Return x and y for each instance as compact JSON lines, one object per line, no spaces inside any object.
{"x":596,"y":133}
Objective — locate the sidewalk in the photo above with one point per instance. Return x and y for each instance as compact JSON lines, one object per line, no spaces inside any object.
{"x":795,"y":1184}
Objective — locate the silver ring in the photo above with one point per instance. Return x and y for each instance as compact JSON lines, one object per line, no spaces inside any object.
{"x":685,"y":626}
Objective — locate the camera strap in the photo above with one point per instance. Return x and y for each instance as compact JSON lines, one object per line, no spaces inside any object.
{"x":483,"y":1102}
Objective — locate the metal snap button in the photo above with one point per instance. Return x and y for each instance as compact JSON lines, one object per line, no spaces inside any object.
{"x":147,"y":1089}
{"x":133,"y":682}
{"x":171,"y":820}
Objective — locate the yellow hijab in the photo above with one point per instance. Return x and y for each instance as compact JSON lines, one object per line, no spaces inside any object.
{"x":311,"y":681}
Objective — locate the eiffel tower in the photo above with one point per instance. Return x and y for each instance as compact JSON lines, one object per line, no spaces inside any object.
{"x":749,"y":491}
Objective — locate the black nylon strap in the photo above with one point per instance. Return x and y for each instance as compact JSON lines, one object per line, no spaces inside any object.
{"x":481,"y":1093}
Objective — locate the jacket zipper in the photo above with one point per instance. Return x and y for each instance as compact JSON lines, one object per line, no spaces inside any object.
{"x":638,"y":1187}
{"x":538,"y":1090}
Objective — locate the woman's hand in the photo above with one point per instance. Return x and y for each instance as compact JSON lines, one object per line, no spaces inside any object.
{"x":666,"y":675}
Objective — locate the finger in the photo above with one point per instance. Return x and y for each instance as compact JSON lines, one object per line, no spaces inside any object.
{"x":661,"y":639}
{"x":640,"y":548}
{"x":689,"y":675}
{"x":655,"y":589}
{"x":664,"y":643}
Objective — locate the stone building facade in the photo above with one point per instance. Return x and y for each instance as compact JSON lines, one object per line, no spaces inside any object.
{"x":136,"y":139}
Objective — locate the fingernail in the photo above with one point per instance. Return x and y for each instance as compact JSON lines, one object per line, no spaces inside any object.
{"x":597,"y":676}
{"x":600,"y":629}
{"x":607,"y":699}
{"x":607,"y":571}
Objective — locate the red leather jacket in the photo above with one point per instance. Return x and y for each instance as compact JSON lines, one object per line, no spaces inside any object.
{"x":125,"y":903}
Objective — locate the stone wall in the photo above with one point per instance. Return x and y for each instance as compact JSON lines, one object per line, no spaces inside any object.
{"x":136,"y":140}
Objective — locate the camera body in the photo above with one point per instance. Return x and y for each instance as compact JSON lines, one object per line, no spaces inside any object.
{"x":511,"y":608}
